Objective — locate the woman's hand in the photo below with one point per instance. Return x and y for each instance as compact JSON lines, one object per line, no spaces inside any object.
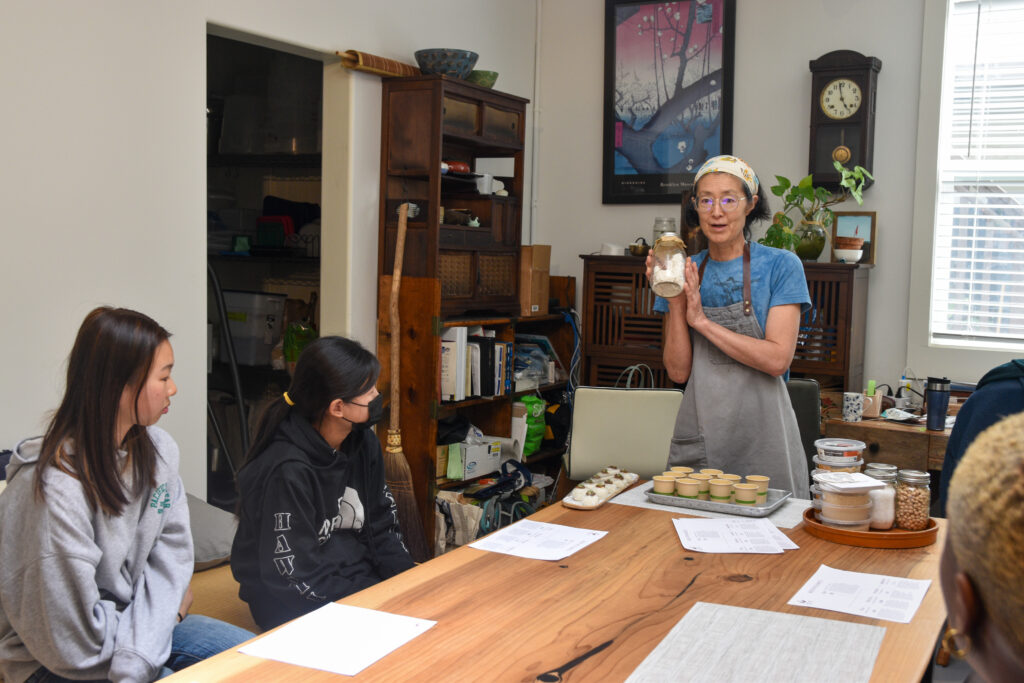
{"x":649,"y":264}
{"x":694,"y":308}
{"x":186,"y":603}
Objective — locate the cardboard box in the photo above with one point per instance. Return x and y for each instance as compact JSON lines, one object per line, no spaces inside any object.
{"x":534,"y":279}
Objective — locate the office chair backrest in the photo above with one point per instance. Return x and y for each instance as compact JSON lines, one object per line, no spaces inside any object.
{"x":629,"y":428}
{"x":805,"y":395}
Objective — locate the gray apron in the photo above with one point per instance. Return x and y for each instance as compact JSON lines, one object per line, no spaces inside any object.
{"x":733,"y":417}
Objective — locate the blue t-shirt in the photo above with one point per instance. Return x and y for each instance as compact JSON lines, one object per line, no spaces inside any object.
{"x":776,"y":278}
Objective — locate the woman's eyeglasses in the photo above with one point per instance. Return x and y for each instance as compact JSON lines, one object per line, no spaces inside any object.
{"x":727,"y":204}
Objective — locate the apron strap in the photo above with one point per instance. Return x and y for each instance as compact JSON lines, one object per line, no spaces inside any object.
{"x":747,"y":306}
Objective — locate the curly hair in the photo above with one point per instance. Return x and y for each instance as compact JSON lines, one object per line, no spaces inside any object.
{"x":986,"y":523}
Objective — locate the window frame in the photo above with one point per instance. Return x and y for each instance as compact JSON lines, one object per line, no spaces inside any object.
{"x":967,"y":361}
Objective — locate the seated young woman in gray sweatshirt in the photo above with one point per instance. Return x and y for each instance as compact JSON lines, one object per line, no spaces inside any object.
{"x":95,"y":547}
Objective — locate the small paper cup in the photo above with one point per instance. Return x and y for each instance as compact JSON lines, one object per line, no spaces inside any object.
{"x":746,"y":494}
{"x":688,"y":488}
{"x":720,"y":490}
{"x":733,"y":478}
{"x":664,"y":485}
{"x":680,"y":469}
{"x":705,"y":488}
{"x":710,"y":470}
{"x":761,"y":482}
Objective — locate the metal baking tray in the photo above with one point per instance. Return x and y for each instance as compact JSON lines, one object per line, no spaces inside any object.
{"x":775,"y":498}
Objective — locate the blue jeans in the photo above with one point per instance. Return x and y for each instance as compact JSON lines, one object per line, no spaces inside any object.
{"x":193,"y":640}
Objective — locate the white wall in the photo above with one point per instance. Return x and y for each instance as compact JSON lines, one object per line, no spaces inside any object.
{"x":774,"y":42}
{"x":103,"y":173}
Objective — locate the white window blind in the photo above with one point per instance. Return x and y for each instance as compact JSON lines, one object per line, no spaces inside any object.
{"x":978,"y":262}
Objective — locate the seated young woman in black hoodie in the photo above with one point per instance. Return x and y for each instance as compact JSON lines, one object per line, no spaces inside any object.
{"x":316,"y":519}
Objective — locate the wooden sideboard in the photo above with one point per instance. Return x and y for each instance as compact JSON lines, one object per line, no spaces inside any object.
{"x":830,"y":346}
{"x":907,"y":446}
{"x":620,"y":327}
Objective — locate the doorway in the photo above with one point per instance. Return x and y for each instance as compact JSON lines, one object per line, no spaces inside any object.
{"x":264,"y":180}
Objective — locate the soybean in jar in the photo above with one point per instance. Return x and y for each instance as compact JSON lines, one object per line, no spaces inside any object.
{"x":913,"y":496}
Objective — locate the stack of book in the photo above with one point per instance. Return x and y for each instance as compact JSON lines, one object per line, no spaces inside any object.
{"x":474,"y":364}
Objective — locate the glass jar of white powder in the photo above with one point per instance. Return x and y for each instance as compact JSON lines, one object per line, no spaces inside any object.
{"x":883,"y":500}
{"x":668,"y":275}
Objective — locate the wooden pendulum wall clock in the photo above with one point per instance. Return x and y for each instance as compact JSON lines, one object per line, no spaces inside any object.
{"x":843,"y":90}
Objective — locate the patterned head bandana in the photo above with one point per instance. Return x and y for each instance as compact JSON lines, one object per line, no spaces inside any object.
{"x":725,"y":163}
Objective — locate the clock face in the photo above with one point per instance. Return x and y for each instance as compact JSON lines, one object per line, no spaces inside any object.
{"x":840,"y":98}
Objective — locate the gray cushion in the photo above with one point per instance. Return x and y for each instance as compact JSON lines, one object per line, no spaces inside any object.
{"x":213,"y":530}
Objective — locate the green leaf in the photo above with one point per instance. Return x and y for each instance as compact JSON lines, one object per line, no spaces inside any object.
{"x":806,"y":182}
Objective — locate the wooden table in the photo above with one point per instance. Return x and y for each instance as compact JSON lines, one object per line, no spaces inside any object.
{"x":502,"y":618}
{"x":907,"y":446}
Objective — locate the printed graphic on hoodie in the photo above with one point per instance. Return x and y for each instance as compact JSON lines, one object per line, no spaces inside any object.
{"x":351,"y":515}
{"x":160,"y":500}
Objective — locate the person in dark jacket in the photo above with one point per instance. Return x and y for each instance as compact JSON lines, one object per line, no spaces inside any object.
{"x":998,"y":394}
{"x":316,"y":519}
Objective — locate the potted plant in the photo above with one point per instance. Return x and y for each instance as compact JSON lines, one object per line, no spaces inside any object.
{"x":808,"y":239}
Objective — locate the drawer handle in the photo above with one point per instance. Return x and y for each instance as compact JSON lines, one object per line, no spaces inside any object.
{"x":873,"y":447}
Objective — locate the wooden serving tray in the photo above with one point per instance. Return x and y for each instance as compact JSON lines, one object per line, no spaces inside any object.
{"x":893,"y":538}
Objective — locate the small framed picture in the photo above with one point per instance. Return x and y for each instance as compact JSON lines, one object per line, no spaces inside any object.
{"x":848,"y":227}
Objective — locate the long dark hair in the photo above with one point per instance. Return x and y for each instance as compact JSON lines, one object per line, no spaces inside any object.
{"x":327,"y":369}
{"x":692,"y":235}
{"x":114,"y":349}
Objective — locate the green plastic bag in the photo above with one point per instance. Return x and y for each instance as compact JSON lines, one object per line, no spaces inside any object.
{"x":535,"y":425}
{"x":296,"y":337}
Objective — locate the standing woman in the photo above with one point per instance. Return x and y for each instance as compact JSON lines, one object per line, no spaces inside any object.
{"x":316,"y":519}
{"x":95,"y":548}
{"x":731,"y":335}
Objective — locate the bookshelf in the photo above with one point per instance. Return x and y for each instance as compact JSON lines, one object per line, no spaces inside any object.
{"x":422,"y":327}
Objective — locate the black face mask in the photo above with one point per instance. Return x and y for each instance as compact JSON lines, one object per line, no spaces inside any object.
{"x":375,"y":408}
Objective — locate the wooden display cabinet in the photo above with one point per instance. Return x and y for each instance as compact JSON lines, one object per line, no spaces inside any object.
{"x":430,"y":119}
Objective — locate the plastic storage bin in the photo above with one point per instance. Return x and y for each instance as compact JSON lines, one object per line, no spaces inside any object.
{"x":256,"y":322}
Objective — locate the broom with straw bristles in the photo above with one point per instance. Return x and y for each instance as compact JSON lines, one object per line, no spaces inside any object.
{"x":396,"y":466}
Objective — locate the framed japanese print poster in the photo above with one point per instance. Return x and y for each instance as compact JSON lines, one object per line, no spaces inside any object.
{"x":668,"y":78}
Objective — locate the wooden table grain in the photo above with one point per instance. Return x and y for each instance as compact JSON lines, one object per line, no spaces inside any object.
{"x":597,"y":614}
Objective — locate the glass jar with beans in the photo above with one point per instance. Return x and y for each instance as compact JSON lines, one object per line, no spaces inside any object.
{"x":913,"y":496}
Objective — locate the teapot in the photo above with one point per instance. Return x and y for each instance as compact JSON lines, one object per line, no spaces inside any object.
{"x":639,"y":247}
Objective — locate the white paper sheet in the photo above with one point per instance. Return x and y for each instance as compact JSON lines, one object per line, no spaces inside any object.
{"x":341,"y":639}
{"x":736,"y":535}
{"x":725,"y":644}
{"x":868,"y":595}
{"x":790,"y":514}
{"x":538,"y":540}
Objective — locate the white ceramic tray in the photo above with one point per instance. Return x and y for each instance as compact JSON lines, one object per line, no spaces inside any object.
{"x":775,"y":498}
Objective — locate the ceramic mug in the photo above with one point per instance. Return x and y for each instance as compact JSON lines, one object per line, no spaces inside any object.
{"x":853,"y":406}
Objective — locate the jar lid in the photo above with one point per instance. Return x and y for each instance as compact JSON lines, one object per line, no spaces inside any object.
{"x":880,"y":475}
{"x":882,"y":466}
{"x":914,"y":477}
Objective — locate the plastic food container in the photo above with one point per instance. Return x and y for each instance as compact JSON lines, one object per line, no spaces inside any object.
{"x":836,"y":450}
{"x":844,"y":497}
{"x":846,"y":513}
{"x":846,"y":465}
{"x":846,"y":526}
